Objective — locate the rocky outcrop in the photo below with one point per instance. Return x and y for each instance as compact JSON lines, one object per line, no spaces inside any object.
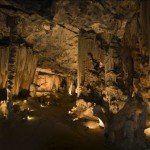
{"x":53,"y":27}
{"x":84,"y":110}
{"x":46,"y":82}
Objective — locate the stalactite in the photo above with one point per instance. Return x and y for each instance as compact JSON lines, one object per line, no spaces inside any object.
{"x":79,"y":66}
{"x":86,"y":45}
{"x":29,"y":69}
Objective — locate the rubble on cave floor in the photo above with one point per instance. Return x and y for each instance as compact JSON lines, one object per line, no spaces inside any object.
{"x":83,"y":111}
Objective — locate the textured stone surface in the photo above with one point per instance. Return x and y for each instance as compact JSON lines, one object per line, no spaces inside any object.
{"x":52,"y":27}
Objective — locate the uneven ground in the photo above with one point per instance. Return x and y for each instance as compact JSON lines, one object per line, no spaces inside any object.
{"x":51,"y":129}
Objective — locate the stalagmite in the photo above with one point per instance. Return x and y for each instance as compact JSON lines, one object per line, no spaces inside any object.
{"x":71,"y":88}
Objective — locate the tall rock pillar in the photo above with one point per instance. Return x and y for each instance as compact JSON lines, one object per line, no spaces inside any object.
{"x":12,"y":23}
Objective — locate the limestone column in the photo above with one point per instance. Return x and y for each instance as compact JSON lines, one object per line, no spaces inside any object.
{"x":12,"y":23}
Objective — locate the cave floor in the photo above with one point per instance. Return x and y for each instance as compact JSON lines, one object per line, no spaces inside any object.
{"x":51,"y":129}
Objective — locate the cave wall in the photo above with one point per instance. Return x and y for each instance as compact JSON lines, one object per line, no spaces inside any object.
{"x":121,"y":63}
{"x":145,"y":22}
{"x":125,"y":72}
{"x":46,"y":82}
{"x":136,"y":50}
{"x":137,"y":44}
{"x":4,"y":53}
{"x":100,"y":70}
{"x":54,"y":34}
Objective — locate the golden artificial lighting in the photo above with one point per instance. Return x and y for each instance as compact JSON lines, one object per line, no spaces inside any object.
{"x":42,"y":105}
{"x":101,"y":124}
{"x":70,"y":90}
{"x":30,"y":118}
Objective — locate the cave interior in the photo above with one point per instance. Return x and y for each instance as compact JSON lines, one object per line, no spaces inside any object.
{"x":75,"y":74}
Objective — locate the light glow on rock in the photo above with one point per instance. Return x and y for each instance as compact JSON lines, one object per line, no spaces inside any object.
{"x":70,"y":89}
{"x":147,"y":132}
{"x":101,"y":124}
{"x":42,"y":105}
{"x":30,"y":118}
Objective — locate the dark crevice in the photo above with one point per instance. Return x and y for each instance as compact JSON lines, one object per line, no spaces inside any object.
{"x":61,"y":25}
{"x":4,"y":41}
{"x":13,"y":8}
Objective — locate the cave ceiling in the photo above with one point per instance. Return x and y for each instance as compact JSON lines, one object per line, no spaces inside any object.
{"x":51,"y":27}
